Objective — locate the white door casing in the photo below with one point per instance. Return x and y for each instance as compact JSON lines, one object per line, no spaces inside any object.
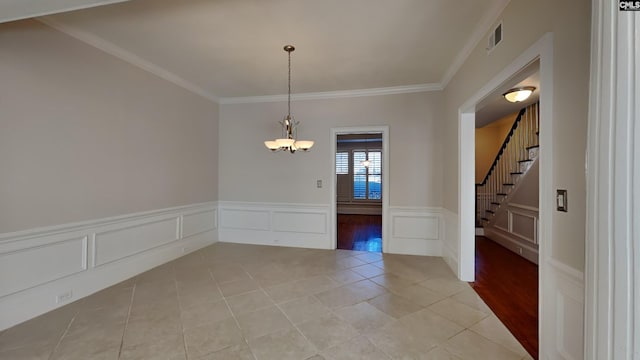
{"x":612,"y":288}
{"x":542,"y":50}
{"x":384,"y":130}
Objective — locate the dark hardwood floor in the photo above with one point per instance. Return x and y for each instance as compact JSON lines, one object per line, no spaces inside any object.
{"x":360,"y":232}
{"x":508,"y":283}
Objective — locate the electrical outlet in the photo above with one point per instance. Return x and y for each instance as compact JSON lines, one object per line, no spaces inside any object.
{"x":185,"y":250}
{"x":64,"y":297}
{"x":520,"y":250}
{"x":319,"y":184}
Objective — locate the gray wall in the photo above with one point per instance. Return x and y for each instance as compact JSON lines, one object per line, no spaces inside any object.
{"x":84,"y":135}
{"x":249,"y":172}
{"x":524,"y":22}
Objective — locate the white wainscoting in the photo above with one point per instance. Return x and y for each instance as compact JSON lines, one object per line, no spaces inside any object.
{"x":451,"y":240}
{"x":45,"y":268}
{"x":567,"y":286}
{"x":415,"y":231}
{"x":296,"y":225}
{"x":516,"y":228}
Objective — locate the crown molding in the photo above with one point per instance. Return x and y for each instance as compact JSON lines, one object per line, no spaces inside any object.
{"x":114,"y":50}
{"x":64,"y":9}
{"x":127,"y":56}
{"x":477,"y":35}
{"x":333,"y":94}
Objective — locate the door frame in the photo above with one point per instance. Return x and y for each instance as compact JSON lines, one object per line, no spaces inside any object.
{"x":384,"y":130}
{"x":541,"y":50}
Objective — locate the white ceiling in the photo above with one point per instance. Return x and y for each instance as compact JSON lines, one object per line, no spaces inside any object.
{"x":495,"y":107}
{"x":233,"y":48}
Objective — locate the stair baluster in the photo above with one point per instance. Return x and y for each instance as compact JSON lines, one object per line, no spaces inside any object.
{"x":512,"y":159}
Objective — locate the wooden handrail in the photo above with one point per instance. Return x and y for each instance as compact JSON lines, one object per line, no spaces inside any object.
{"x":504,"y":146}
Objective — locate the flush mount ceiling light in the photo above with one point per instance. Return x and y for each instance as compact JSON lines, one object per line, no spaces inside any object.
{"x":518,"y":94}
{"x":288,"y":141}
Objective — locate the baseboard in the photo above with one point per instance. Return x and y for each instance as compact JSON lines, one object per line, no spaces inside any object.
{"x":277,"y":224}
{"x":513,"y":243}
{"x":93,"y":255}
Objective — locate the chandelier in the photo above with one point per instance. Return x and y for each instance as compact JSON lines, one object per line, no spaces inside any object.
{"x":288,"y":140}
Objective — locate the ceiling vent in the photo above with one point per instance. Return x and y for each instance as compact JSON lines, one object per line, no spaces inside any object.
{"x":495,"y":37}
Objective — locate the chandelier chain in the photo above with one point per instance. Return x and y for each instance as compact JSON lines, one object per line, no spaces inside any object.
{"x":289,"y":92}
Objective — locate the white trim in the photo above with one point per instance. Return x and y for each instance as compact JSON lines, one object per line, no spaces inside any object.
{"x":566,"y":287}
{"x":510,"y":241}
{"x":125,"y":55}
{"x":523,"y":207}
{"x":405,"y":89}
{"x":477,"y":36}
{"x":68,"y":8}
{"x":415,"y":231}
{"x":93,"y":255}
{"x":450,"y":240}
{"x":612,"y":295}
{"x":574,"y":274}
{"x":275,"y":224}
{"x":466,"y":196}
{"x":542,"y":50}
{"x":385,"y":179}
{"x":83,"y":225}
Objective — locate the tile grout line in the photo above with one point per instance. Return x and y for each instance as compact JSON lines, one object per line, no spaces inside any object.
{"x":63,"y":335}
{"x":233,"y":315}
{"x":282,"y":311}
{"x":175,"y":284}
{"x":126,"y":323}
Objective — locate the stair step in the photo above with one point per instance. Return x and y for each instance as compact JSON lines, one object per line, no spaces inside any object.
{"x":501,"y":194}
{"x":485,"y":219}
{"x":490,"y":211}
{"x":524,"y":161}
{"x":508,"y":184}
{"x":517,"y":173}
{"x":533,"y":147}
{"x":495,"y":203}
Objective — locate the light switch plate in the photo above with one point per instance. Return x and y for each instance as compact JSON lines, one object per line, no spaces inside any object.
{"x":561,"y":200}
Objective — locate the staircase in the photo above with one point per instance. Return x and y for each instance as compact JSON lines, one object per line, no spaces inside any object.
{"x":518,"y":152}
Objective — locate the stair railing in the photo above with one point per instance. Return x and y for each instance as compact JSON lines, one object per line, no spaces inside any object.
{"x":511,"y":161}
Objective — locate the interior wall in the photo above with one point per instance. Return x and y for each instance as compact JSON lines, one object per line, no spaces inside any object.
{"x":523,"y":24}
{"x":489,"y":139}
{"x":85,"y":135}
{"x":249,"y":172}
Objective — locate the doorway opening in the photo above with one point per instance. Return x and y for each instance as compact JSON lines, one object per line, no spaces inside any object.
{"x":541,"y":51}
{"x":507,"y":206}
{"x":359,"y":191}
{"x":359,"y":188}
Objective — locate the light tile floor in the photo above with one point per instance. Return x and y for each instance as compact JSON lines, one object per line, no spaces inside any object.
{"x":231,"y":301}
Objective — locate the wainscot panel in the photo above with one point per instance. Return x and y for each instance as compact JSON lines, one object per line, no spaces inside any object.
{"x":24,"y":269}
{"x":568,"y":294}
{"x":199,"y":222}
{"x":415,"y":231}
{"x":112,"y":245}
{"x":518,"y":232}
{"x":296,"y":225}
{"x":45,"y":268}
